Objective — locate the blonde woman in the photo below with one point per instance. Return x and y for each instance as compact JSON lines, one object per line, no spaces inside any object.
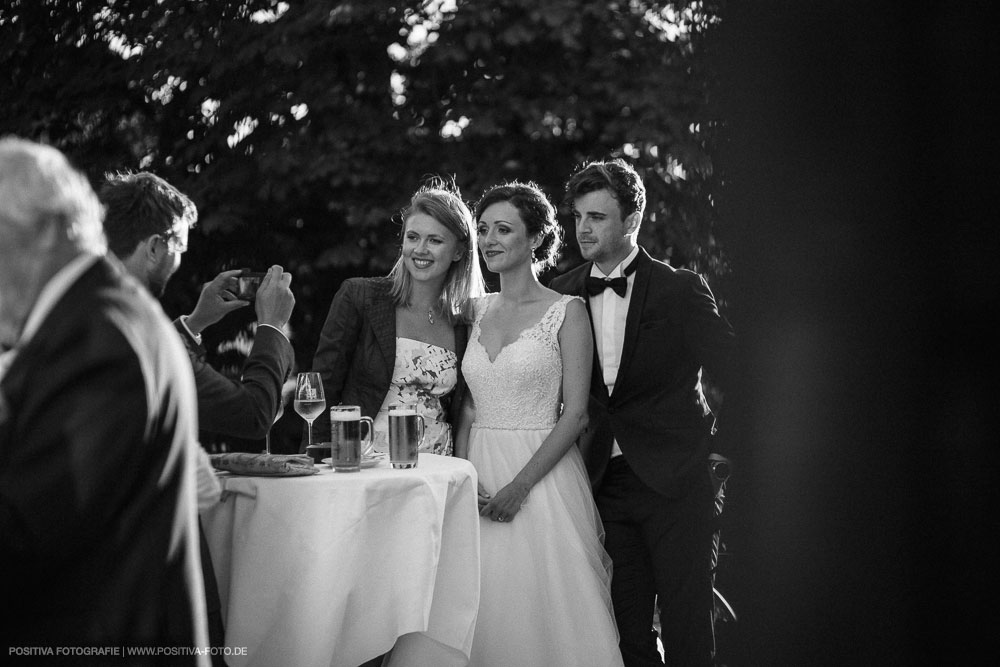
{"x":402,"y":336}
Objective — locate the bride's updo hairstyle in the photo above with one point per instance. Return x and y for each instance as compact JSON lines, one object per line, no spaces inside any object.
{"x":537,"y":213}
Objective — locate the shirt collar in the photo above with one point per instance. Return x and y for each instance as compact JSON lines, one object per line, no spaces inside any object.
{"x":617,"y":271}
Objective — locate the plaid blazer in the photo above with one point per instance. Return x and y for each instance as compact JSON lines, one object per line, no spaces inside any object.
{"x":356,"y":352}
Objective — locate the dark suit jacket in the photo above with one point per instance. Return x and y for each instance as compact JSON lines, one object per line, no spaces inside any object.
{"x":356,"y":353}
{"x":98,"y":521}
{"x":657,"y":412}
{"x":244,"y":409}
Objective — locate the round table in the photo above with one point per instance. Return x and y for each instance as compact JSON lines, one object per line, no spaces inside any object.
{"x":331,"y":569}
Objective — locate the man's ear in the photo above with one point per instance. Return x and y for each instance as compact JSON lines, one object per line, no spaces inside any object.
{"x":151,"y":250}
{"x":147,"y":253}
{"x":632,"y":222}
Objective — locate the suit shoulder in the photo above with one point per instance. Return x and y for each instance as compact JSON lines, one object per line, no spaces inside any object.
{"x":122,"y":300}
{"x":688,"y":276}
{"x":354,"y":291}
{"x":660,"y":266}
{"x":567,"y":279}
{"x":356,"y":284}
{"x":685,"y":276}
{"x":368,"y":286}
{"x":122,"y":309}
{"x":693,"y":280}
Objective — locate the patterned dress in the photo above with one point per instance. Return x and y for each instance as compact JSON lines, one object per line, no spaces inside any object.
{"x":422,"y":374}
{"x":545,"y":596}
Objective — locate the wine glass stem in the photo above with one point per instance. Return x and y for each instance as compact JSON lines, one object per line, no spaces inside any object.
{"x":267,"y":442}
{"x":310,"y":431}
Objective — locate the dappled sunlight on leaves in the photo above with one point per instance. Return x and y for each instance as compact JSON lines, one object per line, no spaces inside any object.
{"x":301,"y":129}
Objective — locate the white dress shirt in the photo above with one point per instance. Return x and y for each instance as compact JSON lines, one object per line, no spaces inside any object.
{"x":608,"y":311}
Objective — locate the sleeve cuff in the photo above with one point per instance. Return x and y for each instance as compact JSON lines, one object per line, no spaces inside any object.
{"x":271,"y":326}
{"x":195,"y":337}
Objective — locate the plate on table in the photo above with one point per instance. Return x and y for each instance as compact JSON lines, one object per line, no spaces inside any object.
{"x":366,"y":461}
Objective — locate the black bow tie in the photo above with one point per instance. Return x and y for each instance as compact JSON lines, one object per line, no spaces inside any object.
{"x":597,"y":285}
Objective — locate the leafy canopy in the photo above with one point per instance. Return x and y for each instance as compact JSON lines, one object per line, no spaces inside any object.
{"x":301,"y":128}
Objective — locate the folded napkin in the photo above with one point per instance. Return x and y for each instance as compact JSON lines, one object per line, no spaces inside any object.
{"x":264,"y":465}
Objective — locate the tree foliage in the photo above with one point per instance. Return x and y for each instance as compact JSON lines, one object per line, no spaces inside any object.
{"x":300,"y":129}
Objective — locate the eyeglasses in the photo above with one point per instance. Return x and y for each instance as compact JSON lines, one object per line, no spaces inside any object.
{"x":720,"y":470}
{"x":174,"y":244}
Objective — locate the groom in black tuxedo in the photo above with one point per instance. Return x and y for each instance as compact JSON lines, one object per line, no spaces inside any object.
{"x":648,"y":444}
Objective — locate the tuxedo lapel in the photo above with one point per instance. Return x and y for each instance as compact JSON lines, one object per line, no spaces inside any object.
{"x":636,"y":303}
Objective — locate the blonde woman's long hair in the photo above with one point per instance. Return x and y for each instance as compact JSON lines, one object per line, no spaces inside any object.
{"x":464,"y":280}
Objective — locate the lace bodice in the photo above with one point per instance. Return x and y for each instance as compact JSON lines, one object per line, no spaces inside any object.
{"x":522,"y":387}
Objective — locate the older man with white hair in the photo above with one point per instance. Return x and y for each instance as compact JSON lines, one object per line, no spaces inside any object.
{"x":98,"y":519}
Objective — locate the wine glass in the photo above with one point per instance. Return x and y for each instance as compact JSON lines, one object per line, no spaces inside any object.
{"x":281,"y":411}
{"x":310,"y":400}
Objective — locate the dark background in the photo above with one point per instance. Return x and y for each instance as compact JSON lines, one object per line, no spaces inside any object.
{"x":858,"y":160}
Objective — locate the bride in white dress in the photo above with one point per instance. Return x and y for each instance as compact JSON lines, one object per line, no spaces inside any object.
{"x":545,"y":584}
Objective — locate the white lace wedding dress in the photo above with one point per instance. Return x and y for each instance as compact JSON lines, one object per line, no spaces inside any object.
{"x":545,"y":597}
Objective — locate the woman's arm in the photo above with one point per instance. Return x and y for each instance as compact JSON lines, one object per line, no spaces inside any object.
{"x":463,"y":426}
{"x":576,"y":347}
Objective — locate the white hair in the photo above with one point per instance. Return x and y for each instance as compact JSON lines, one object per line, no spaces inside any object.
{"x":38,"y":184}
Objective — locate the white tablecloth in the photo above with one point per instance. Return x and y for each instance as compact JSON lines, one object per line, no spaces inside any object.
{"x":331,"y":569}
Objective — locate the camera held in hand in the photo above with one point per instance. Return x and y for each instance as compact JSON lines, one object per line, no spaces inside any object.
{"x":247,"y":284}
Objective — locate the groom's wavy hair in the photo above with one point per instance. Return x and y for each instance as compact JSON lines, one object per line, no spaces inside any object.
{"x":537,"y":214}
{"x":616,"y":176}
{"x":441,"y":200}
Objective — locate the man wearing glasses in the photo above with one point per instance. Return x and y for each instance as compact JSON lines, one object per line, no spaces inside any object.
{"x":146,"y":223}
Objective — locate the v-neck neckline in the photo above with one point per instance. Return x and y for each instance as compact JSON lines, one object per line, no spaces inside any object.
{"x":479,"y":335}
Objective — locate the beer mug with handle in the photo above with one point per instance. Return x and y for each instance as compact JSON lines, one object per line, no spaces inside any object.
{"x":346,"y":447}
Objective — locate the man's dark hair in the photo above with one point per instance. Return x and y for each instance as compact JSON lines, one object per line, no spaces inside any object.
{"x":139,"y":205}
{"x":617,"y":176}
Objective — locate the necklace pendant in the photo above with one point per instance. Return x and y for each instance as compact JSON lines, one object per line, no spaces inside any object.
{"x":430,"y":315}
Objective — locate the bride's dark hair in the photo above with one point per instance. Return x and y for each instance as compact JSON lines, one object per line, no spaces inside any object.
{"x":537,"y":213}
